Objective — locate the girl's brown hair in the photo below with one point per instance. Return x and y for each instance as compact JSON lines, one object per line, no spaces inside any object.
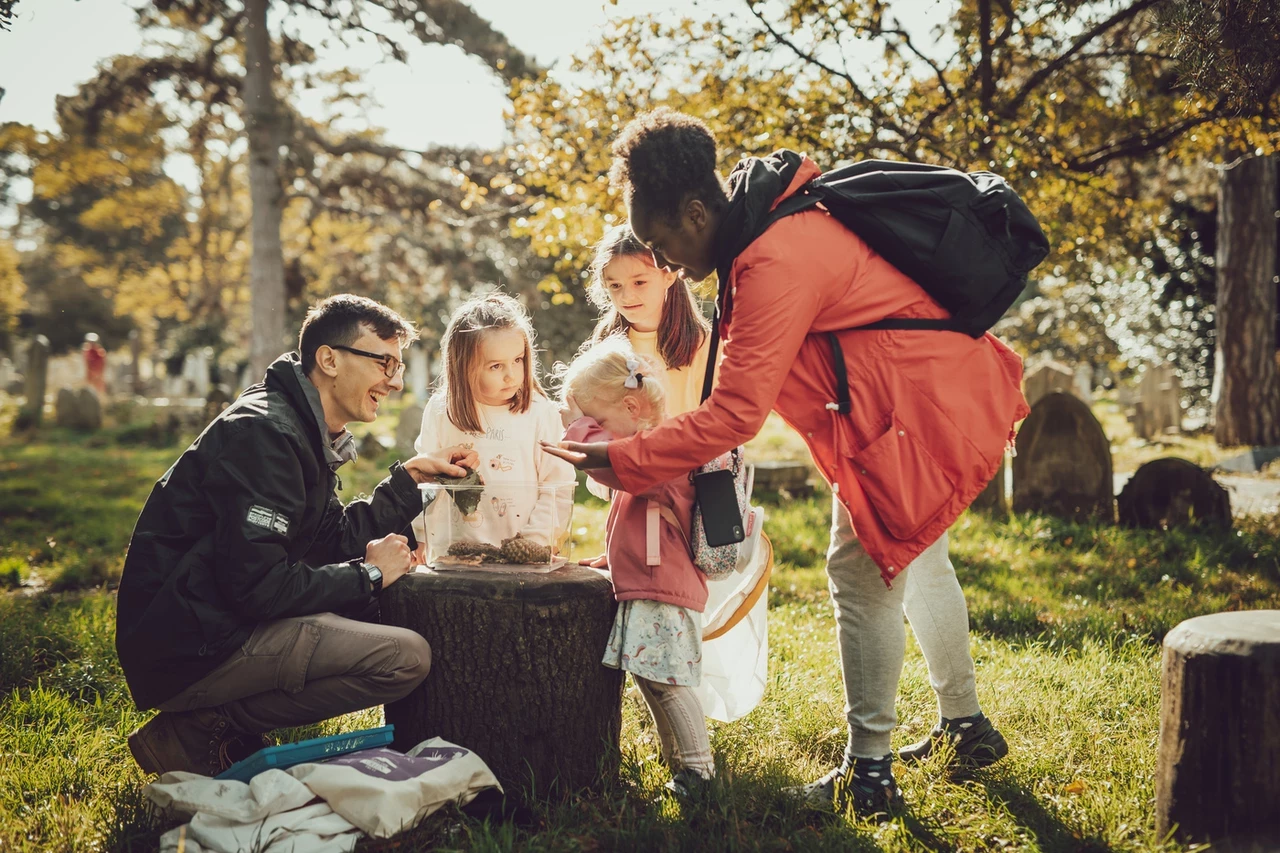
{"x":460,"y":349}
{"x":681,"y":329}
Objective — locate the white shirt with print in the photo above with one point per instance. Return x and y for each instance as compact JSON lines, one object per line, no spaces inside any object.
{"x":512,"y":466}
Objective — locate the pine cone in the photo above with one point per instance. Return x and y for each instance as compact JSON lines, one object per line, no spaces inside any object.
{"x":479,"y":550}
{"x":517,"y":549}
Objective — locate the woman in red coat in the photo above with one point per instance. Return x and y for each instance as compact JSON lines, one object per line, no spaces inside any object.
{"x":932,"y":414}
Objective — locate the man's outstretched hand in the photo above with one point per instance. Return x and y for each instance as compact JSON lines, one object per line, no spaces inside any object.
{"x":589,"y":457}
{"x":425,"y":467}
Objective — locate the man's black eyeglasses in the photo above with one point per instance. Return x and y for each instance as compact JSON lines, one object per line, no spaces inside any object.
{"x":391,"y":365}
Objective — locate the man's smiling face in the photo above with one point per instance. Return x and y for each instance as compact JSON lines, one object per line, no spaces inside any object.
{"x":361,"y":383}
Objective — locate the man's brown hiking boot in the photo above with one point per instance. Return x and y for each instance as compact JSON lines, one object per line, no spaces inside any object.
{"x":201,"y":741}
{"x":977,"y":743}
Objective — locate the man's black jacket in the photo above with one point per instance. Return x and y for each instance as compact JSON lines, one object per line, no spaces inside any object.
{"x":245,"y":528}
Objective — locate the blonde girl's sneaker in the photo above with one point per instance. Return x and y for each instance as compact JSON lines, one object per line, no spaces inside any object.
{"x":866,"y":784}
{"x":976,"y":741}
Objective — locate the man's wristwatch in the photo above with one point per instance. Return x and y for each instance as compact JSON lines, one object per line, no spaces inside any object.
{"x":373,"y":574}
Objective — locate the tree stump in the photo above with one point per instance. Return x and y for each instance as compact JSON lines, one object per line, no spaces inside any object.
{"x":1218,"y":768}
{"x":1063,"y":463}
{"x":515,"y":673}
{"x":1173,"y":492}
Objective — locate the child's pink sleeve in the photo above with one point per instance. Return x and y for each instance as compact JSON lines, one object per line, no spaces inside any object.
{"x":585,"y":430}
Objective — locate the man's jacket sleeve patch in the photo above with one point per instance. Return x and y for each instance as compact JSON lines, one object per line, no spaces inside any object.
{"x":267,"y":519}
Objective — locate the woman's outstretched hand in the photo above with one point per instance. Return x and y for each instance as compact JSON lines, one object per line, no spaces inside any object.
{"x":588,"y":457}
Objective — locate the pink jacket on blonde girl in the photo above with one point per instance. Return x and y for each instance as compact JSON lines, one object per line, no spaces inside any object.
{"x":675,"y":579}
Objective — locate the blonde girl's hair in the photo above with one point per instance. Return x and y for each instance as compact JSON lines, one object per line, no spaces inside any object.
{"x":460,"y":349}
{"x":600,"y":372}
{"x":681,"y":329}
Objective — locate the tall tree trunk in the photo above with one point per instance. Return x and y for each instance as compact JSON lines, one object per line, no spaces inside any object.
{"x":986,"y":80}
{"x":1247,"y":407}
{"x":262,"y":123}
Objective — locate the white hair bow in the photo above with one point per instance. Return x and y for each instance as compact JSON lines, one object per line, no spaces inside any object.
{"x":634,"y":377}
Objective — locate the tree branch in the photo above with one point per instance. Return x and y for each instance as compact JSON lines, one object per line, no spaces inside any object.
{"x":1011,"y":108}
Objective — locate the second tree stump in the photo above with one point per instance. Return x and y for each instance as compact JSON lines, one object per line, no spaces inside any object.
{"x":515,"y":673}
{"x":1218,"y":768}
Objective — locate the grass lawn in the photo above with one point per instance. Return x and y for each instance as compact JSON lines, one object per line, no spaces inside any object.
{"x":1066,"y":618}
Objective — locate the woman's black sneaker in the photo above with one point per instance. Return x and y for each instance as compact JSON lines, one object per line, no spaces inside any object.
{"x":976,"y":741}
{"x":866,"y":784}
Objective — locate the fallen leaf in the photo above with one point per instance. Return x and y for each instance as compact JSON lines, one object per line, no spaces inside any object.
{"x":1076,"y":787}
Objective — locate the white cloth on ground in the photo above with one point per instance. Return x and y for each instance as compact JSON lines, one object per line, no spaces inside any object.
{"x":321,"y":807}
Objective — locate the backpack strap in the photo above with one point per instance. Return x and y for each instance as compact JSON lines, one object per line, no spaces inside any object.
{"x":654,"y":511}
{"x":842,"y":404}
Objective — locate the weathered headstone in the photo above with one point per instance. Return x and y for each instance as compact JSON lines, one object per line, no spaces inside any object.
{"x":993,"y":498}
{"x":1173,"y":492}
{"x":418,"y":373}
{"x":516,"y":673}
{"x":217,"y":400}
{"x":1048,"y":378}
{"x":1063,"y":463}
{"x":37,"y":379}
{"x":195,"y":369}
{"x":370,"y":446}
{"x":1082,"y":386}
{"x":1252,"y":461}
{"x":1158,"y":402}
{"x":407,"y":429}
{"x":135,"y":362}
{"x":78,"y":410}
{"x":789,"y":479}
{"x":1218,"y":762}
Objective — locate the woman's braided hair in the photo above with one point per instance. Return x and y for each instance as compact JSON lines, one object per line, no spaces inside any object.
{"x":661,"y":158}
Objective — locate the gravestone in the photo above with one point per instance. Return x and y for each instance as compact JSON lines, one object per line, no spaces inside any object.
{"x":1050,"y":377}
{"x":418,"y":373}
{"x":407,"y":429}
{"x":1063,"y":462}
{"x":37,"y":379}
{"x":1158,"y":402}
{"x":1172,"y":492}
{"x":993,"y":498}
{"x":1218,"y":761}
{"x":1082,"y":386}
{"x":217,"y":400}
{"x":516,"y":673}
{"x":79,"y":410}
{"x":370,"y":446}
{"x":135,"y":362}
{"x":1252,"y":461}
{"x":788,"y":479}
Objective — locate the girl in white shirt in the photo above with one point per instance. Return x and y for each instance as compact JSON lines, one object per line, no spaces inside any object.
{"x":490,"y":400}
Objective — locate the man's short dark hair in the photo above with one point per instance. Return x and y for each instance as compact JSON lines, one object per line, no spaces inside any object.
{"x":663,"y":157}
{"x":341,"y":320}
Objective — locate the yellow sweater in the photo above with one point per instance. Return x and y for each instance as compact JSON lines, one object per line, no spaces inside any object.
{"x":683,"y":384}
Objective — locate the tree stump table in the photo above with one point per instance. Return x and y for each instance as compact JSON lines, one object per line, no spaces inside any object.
{"x":1218,"y":768}
{"x":515,"y":673}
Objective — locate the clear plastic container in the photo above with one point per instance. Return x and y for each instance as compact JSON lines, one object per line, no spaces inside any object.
{"x":508,"y":526}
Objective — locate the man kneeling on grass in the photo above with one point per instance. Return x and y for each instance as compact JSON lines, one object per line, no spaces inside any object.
{"x":246,"y":582}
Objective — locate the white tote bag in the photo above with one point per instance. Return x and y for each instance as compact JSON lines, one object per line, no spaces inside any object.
{"x":735,"y":645}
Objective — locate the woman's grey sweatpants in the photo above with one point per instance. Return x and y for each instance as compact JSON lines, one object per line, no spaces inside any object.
{"x":873,"y":640}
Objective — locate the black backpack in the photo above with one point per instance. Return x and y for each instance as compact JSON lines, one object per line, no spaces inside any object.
{"x":967,"y":239}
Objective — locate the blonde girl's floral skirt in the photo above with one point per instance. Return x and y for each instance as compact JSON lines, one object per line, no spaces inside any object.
{"x":657,"y":641}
